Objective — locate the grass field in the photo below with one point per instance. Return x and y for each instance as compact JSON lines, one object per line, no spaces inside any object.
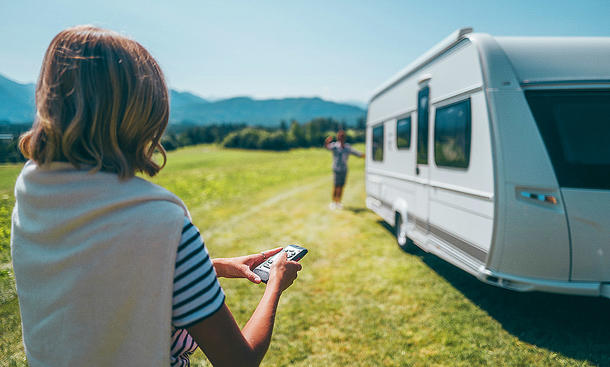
{"x":360,"y":300}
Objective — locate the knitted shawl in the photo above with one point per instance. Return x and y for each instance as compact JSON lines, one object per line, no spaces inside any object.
{"x":93,"y":258}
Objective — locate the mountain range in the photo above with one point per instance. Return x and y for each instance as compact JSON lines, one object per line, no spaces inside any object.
{"x":17,"y":106}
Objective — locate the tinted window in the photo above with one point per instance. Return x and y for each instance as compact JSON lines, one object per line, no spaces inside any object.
{"x":452,"y":135}
{"x":422,"y":125}
{"x":403,"y":133}
{"x":575,"y":127}
{"x":378,"y":143}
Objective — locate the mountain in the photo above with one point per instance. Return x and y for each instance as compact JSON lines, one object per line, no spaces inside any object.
{"x":356,"y":103}
{"x":17,"y":105}
{"x":182,"y":100}
{"x":266,"y":112}
{"x":16,"y":101}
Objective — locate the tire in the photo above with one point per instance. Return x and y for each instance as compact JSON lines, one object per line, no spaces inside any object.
{"x":402,"y":240}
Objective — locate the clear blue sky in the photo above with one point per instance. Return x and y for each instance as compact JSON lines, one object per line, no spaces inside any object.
{"x":339,"y":50}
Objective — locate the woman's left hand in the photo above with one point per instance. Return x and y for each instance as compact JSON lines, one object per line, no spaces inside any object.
{"x":242,"y":266}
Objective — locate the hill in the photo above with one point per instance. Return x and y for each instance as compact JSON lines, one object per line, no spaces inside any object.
{"x":266,"y":112}
{"x":16,"y":101}
{"x":17,"y":105}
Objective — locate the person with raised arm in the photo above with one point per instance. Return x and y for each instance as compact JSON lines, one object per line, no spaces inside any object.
{"x":341,"y":152}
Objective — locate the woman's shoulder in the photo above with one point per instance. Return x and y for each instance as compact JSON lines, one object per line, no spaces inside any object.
{"x":64,"y":182}
{"x":157,"y":192}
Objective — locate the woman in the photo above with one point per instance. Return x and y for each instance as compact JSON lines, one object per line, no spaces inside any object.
{"x":109,"y":268}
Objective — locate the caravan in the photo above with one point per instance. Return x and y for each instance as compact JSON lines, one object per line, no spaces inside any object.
{"x":493,"y":153}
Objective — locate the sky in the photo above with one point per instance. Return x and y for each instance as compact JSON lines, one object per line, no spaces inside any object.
{"x":339,"y":50}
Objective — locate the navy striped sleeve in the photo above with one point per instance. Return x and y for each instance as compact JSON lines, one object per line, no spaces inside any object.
{"x":197,"y":293}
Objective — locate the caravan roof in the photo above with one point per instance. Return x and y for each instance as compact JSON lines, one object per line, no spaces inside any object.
{"x":558,"y":59}
{"x":535,"y":60}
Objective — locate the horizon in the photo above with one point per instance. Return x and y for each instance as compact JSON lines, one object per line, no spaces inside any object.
{"x":339,"y":52}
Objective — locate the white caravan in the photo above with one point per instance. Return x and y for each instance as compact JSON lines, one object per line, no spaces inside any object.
{"x":493,"y":153}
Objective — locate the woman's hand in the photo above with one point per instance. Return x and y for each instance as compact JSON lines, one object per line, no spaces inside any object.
{"x":283,"y":272}
{"x":219,"y":336}
{"x":242,"y":266}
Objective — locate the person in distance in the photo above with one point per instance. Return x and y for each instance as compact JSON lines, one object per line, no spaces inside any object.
{"x":341,"y":152}
{"x":110,"y":270}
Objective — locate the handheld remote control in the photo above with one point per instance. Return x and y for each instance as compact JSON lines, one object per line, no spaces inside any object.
{"x":293,"y":252}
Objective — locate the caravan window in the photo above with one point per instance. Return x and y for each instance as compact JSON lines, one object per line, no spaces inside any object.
{"x":452,"y":126}
{"x":377,"y":145}
{"x":403,"y":133}
{"x":575,"y":127}
{"x":422,"y":125}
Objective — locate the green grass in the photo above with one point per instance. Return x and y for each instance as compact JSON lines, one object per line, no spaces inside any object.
{"x":11,"y":350}
{"x":359,"y":301}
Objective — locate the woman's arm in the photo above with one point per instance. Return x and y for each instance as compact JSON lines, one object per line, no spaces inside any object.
{"x":219,"y":335}
{"x":356,"y":153}
{"x":327,"y":142}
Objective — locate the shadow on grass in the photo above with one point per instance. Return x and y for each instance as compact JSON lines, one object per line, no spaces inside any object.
{"x":355,"y":210}
{"x":574,"y":326}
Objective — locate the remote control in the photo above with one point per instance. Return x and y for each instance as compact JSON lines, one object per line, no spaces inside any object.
{"x":293,"y":252}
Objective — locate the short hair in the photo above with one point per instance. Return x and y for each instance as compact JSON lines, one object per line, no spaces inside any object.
{"x":101,"y":101}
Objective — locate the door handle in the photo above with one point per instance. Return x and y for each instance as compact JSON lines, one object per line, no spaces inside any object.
{"x":416,"y":170}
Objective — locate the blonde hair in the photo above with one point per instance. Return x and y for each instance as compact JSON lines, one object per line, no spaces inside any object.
{"x":101,"y":101}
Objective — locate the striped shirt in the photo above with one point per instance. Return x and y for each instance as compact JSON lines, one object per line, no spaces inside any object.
{"x":197,"y":293}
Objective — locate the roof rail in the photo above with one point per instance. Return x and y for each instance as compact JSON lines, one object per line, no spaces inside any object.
{"x":418,"y":63}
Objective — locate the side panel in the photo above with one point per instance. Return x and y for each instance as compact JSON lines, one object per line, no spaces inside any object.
{"x":461,"y":200}
{"x":535,"y":241}
{"x":589,"y":215}
{"x":530,"y":238}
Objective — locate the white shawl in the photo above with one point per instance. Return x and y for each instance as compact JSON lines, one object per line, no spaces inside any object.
{"x":94,"y":263}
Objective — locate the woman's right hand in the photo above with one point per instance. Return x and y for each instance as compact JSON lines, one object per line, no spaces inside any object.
{"x":219,"y":336}
{"x":283,"y":272}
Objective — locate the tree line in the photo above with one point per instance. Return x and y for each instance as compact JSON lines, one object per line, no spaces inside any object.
{"x":9,"y":142}
{"x":284,"y":137}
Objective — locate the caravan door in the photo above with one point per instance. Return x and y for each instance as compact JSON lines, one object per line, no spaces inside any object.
{"x":419,"y":213}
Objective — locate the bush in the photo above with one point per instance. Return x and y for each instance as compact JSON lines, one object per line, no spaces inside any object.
{"x":9,"y":151}
{"x":256,"y":138}
{"x":180,"y":135}
{"x":170,"y":142}
{"x":274,"y":141}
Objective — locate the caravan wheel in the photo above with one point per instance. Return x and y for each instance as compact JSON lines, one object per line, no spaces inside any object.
{"x":403,"y":241}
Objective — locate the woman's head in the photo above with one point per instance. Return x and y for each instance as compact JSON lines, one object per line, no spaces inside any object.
{"x":101,"y":101}
{"x":341,"y":136}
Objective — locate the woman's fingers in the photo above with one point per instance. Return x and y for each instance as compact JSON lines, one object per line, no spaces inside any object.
{"x":251,"y":276}
{"x":270,"y":253}
{"x":298,"y":266}
{"x":263,"y":256}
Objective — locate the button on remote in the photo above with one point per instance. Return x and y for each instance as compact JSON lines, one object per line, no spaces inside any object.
{"x":292,"y":252}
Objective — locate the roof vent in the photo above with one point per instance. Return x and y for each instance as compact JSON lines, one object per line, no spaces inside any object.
{"x":464,"y":31}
